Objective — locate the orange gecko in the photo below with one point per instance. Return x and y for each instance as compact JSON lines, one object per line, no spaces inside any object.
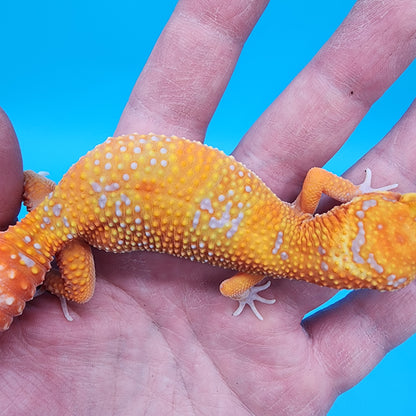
{"x":174,"y":196}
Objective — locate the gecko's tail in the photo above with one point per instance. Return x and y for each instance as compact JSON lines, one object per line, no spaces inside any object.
{"x":19,"y":276}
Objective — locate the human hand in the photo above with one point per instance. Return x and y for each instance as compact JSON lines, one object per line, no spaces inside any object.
{"x":157,"y":336}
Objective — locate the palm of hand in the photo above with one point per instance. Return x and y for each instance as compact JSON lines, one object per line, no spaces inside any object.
{"x":157,"y":336}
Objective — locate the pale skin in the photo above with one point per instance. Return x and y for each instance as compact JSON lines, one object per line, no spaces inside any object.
{"x":157,"y":337}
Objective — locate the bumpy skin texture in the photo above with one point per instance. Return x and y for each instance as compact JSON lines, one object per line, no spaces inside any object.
{"x":179,"y":197}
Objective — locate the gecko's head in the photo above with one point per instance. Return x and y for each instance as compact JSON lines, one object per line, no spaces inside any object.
{"x":19,"y":276}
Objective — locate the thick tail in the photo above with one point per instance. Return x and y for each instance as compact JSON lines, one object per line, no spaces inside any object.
{"x":19,"y":277}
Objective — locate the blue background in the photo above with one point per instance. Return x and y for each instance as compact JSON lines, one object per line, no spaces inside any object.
{"x":68,"y":69}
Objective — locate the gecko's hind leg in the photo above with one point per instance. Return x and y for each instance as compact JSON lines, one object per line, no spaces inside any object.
{"x":75,"y":279}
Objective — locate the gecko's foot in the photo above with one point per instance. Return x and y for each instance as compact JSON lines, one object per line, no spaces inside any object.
{"x":366,"y":187}
{"x":65,"y":310}
{"x":64,"y":305}
{"x":249,"y":296}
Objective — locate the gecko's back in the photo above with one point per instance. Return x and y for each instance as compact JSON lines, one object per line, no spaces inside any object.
{"x":170,"y":195}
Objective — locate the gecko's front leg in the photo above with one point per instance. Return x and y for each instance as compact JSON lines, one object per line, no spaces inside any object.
{"x":241,"y":287}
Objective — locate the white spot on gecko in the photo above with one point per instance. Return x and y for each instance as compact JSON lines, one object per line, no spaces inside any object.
{"x":360,"y":214}
{"x":119,"y":213}
{"x":401,"y":281}
{"x":9,"y":300}
{"x":96,"y":187}
{"x":206,"y":205}
{"x":56,"y":209}
{"x":225,"y":217}
{"x":112,"y":187}
{"x":368,"y":204}
{"x":235,"y":222}
{"x":391,"y":280}
{"x":357,"y":243}
{"x":278,"y":242}
{"x":365,"y":206}
{"x":374,"y":265}
{"x":102,"y":201}
{"x":125,"y":199}
{"x":197,"y":216}
{"x":26,"y":260}
{"x":284,"y":255}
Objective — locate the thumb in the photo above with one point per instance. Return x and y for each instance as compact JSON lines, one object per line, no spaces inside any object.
{"x":11,"y":172}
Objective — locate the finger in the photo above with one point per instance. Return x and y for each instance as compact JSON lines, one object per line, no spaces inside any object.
{"x":313,"y":117}
{"x":392,"y":159}
{"x":11,"y":173}
{"x":318,"y":111}
{"x":189,"y":68}
{"x":352,"y":337}
{"x":365,"y":326}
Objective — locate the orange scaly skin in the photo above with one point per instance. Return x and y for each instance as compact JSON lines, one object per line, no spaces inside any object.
{"x":179,"y":197}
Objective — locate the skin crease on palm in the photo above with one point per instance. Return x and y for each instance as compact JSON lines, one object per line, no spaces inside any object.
{"x":157,"y":337}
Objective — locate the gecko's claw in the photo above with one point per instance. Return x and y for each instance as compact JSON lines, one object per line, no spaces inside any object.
{"x":366,"y":187}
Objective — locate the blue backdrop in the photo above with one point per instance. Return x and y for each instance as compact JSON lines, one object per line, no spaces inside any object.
{"x":68,"y":69}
